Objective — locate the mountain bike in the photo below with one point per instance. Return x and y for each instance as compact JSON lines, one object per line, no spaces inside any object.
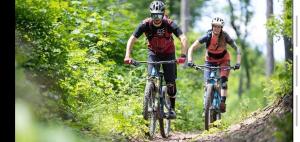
{"x":156,"y":104}
{"x":212,"y":95}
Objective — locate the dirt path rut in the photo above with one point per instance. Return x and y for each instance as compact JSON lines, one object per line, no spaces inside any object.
{"x":257,"y":127}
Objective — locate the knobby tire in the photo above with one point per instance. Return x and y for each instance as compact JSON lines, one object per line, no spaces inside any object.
{"x":164,"y":124}
{"x":208,"y":115}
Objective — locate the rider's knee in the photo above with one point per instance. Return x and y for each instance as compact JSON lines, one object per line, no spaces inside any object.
{"x":224,"y":80}
{"x":171,"y":89}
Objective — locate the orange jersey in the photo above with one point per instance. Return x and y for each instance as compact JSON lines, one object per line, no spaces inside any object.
{"x":216,"y":51}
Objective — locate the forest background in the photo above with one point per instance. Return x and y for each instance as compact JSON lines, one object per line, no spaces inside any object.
{"x":72,"y":85}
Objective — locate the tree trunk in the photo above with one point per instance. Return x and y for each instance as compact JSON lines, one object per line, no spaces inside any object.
{"x":240,"y":85}
{"x":270,"y":53}
{"x":184,"y":15}
{"x":288,"y":49}
{"x":241,"y":38}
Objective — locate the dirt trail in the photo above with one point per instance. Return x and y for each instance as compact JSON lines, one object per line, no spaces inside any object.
{"x":257,"y":127}
{"x":176,"y":137}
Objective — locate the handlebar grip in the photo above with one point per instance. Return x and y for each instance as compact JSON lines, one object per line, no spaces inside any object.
{"x":135,"y":63}
{"x":191,"y":65}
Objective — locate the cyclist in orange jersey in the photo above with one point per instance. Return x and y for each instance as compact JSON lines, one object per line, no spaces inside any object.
{"x":216,"y":54}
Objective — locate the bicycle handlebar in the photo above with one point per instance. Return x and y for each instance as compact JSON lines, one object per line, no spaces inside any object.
{"x":136,"y":63}
{"x":203,"y":67}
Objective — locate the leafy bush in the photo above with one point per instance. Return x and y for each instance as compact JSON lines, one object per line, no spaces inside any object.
{"x":76,"y":49}
{"x":284,"y":130}
{"x":280,"y":83}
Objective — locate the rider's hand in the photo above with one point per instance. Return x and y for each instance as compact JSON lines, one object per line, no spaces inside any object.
{"x":190,"y":64}
{"x":127,"y":60}
{"x":182,"y":58}
{"x":237,"y":66}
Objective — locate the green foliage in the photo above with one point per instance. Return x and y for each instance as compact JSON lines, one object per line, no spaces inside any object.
{"x":280,"y":83}
{"x":36,"y":114}
{"x":141,"y":9}
{"x":215,"y":127}
{"x":284,"y":132}
{"x":74,"y":50}
{"x":28,"y":129}
{"x":174,"y":7}
{"x":282,"y":25}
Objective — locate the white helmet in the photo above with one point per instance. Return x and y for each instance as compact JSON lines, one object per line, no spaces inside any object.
{"x":217,"y":21}
{"x":157,"y":7}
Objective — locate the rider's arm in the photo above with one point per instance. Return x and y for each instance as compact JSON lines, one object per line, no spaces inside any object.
{"x":183,"y":40}
{"x":235,"y":47}
{"x":195,"y":45}
{"x":129,"y":46}
{"x":184,"y":44}
{"x":133,"y":38}
{"x":238,"y":51}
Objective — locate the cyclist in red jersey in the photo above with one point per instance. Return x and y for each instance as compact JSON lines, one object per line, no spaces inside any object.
{"x":159,"y":29}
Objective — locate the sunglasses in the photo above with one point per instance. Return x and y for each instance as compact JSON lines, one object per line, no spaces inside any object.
{"x":216,"y":26}
{"x":156,"y":16}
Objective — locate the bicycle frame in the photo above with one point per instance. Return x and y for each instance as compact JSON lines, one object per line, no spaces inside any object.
{"x":214,"y":80}
{"x":156,"y":77}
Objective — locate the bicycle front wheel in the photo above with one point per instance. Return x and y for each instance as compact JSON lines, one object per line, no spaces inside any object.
{"x":149,"y":108}
{"x":152,"y":125}
{"x":208,"y":114}
{"x":147,"y":104}
{"x":164,"y":124}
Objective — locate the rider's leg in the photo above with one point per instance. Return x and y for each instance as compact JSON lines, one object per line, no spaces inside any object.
{"x":151,"y":58}
{"x":224,"y":87}
{"x":224,"y":79}
{"x":170,"y":74}
{"x":223,"y":93}
{"x":171,"y":90}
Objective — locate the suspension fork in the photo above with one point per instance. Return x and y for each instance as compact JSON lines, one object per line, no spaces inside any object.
{"x":161,"y":99}
{"x":210,"y":93}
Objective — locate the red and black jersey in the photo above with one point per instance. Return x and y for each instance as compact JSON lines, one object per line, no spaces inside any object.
{"x":160,"y":39}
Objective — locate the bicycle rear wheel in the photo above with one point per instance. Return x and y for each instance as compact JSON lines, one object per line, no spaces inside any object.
{"x":208,"y":114}
{"x":164,"y":124}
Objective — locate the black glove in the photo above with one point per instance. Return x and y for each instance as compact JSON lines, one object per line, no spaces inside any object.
{"x":237,"y":66}
{"x":190,"y":64}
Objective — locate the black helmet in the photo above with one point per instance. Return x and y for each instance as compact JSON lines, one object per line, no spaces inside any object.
{"x":157,"y":7}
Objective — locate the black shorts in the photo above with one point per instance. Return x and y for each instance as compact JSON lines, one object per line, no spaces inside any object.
{"x":170,"y":70}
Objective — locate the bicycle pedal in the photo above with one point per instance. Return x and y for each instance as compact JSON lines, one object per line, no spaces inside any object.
{"x":169,"y":116}
{"x":166,"y":115}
